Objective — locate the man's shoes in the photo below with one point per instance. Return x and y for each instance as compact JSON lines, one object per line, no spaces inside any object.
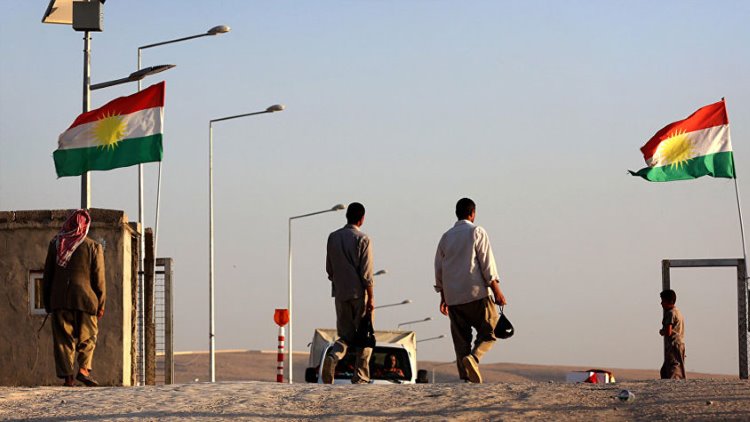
{"x":329,"y":365}
{"x":472,"y":369}
{"x":87,"y":380}
{"x":69,"y":381}
{"x":357,"y":380}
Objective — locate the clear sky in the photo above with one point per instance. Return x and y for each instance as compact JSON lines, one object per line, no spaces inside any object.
{"x":534,"y":109}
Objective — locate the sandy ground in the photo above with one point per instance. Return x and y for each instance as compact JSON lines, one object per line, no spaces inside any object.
{"x":701,"y":399}
{"x":513,"y":392}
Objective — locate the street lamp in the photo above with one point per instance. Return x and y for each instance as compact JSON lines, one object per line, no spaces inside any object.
{"x":135,"y":76}
{"x":414,"y":322}
{"x":141,"y":217}
{"x":216,"y":30}
{"x":432,"y":338}
{"x":403,"y":302}
{"x":212,"y":344}
{"x":337,"y":207}
{"x":380,"y":272}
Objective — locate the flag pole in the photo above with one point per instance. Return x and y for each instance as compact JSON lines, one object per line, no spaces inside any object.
{"x":739,"y":207}
{"x":739,"y":211}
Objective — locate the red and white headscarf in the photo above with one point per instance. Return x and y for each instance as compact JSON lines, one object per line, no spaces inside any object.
{"x":73,"y":231}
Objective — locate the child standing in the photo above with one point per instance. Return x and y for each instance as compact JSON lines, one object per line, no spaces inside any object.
{"x":673,"y":329}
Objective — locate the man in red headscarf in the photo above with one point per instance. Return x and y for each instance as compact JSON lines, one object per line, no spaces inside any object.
{"x":74,"y":293}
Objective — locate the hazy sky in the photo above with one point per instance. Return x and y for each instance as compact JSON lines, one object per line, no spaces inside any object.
{"x":534,"y":109}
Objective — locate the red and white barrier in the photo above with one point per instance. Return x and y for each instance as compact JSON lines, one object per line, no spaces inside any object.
{"x":280,"y":357}
{"x":281,"y":318}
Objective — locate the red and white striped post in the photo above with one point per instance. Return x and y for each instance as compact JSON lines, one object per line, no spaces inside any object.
{"x":281,"y":317}
{"x":280,"y":357}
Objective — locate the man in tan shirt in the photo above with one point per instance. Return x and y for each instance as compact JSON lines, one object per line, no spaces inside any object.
{"x":349,"y":267}
{"x":465,"y":271}
{"x":74,"y":293}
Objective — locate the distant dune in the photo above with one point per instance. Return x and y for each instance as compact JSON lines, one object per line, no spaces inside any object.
{"x":245,"y":365}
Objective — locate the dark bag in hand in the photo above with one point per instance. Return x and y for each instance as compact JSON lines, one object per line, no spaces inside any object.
{"x":504,"y":329}
{"x":365,"y":335}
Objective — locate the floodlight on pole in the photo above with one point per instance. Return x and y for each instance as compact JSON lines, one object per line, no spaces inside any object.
{"x":212,"y":341}
{"x":337,"y":207}
{"x":414,"y":322}
{"x":403,"y":302}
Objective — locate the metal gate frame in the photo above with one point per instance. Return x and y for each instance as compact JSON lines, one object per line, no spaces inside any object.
{"x":742,"y":297}
{"x":164,"y":318}
{"x":156,"y":328}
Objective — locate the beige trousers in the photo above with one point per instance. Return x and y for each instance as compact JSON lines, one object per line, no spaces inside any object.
{"x":349,"y":314}
{"x":73,"y":332}
{"x":482,"y":316}
{"x":674,"y":362}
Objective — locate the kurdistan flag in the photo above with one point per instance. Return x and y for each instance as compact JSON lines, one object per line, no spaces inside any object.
{"x":691,"y":148}
{"x":123,"y":132}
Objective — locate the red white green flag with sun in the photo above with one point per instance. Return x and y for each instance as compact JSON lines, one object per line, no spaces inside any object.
{"x":123,"y":132}
{"x":691,"y":148}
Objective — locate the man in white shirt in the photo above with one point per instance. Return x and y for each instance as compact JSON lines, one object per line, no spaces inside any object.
{"x":465,"y":271}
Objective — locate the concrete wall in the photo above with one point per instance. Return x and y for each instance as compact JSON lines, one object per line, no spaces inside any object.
{"x":26,"y":354}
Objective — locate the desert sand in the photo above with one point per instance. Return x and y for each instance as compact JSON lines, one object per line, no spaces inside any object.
{"x":513,"y":392}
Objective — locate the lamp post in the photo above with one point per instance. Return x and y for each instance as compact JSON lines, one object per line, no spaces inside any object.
{"x":62,"y":12}
{"x":337,"y":207}
{"x":414,"y":322}
{"x":216,"y":30}
{"x":403,"y":302}
{"x":136,"y":76}
{"x":380,"y":272}
{"x":212,"y":344}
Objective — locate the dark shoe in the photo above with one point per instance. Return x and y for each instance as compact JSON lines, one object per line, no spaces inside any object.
{"x":329,"y":365}
{"x":472,"y":369}
{"x":87,"y":380}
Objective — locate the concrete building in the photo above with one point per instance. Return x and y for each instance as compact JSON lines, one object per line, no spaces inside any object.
{"x":26,"y":357}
